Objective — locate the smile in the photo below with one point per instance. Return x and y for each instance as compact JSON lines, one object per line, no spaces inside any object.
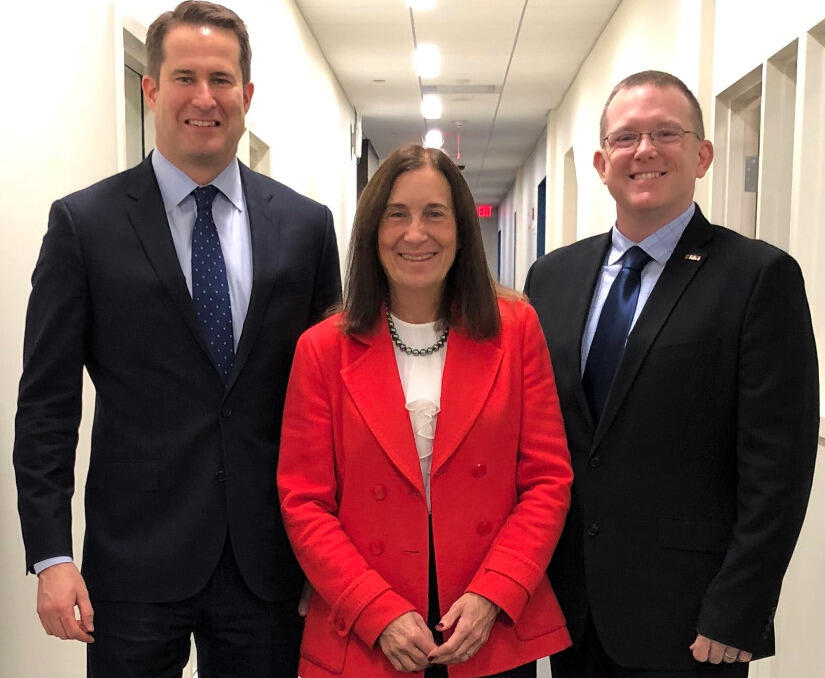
{"x":641,"y":176}
{"x":203,"y":123}
{"x":417,"y":257}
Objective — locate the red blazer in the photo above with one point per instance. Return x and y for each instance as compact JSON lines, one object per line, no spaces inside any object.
{"x":353,"y":499}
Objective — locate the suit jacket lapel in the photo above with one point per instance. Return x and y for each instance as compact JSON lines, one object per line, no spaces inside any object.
{"x":373,"y":382}
{"x":148,"y":218}
{"x":469,"y":372}
{"x":265,"y":229}
{"x":589,"y":265}
{"x":676,"y":276}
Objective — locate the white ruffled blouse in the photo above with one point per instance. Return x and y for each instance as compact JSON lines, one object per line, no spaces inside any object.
{"x":421,"y":382}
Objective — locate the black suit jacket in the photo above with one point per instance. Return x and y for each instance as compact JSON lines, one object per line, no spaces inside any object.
{"x":690,"y":492}
{"x":178,"y":459}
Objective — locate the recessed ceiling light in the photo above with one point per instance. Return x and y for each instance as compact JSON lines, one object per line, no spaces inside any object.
{"x":431,"y":107}
{"x":434,"y":139}
{"x":427,"y":60}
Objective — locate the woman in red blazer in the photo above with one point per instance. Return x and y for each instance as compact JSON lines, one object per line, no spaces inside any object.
{"x":424,"y":475}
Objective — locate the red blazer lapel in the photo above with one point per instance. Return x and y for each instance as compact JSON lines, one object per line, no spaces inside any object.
{"x":469,"y":373}
{"x":374,"y":385}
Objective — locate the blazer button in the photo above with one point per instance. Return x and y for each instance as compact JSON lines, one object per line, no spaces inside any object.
{"x":484,"y":527}
{"x":379,"y":492}
{"x":594,"y":463}
{"x":220,"y":475}
{"x":377,"y":547}
{"x":226,"y":412}
{"x":339,"y":624}
{"x":479,"y":470}
{"x":593,"y":530}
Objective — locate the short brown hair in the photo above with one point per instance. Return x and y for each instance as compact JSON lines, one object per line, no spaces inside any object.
{"x":468,"y":298}
{"x":657,"y":79}
{"x":196,"y":13}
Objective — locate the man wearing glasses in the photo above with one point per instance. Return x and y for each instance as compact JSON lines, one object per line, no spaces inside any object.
{"x":686,"y":367}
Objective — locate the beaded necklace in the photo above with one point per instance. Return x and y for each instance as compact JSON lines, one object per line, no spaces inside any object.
{"x":429,"y":350}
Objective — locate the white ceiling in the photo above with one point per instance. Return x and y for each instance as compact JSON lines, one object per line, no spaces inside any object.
{"x":505,"y":65}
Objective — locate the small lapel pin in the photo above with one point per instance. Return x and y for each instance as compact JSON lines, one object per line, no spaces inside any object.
{"x":693,"y":257}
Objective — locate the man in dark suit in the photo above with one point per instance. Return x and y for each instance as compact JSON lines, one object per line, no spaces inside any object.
{"x":692,"y":437}
{"x":182,"y":286}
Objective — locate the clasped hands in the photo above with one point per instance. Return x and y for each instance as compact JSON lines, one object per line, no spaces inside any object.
{"x":409,"y":644}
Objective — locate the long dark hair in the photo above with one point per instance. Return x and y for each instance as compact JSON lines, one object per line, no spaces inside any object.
{"x":468,"y":299}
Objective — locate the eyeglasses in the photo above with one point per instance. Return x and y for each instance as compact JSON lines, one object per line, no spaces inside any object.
{"x":664,"y":136}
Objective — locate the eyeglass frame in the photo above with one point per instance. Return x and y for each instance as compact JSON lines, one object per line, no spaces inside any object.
{"x":649,"y":135}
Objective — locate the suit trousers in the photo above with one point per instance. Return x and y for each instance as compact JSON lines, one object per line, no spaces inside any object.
{"x":588,"y":659}
{"x":237,"y":635}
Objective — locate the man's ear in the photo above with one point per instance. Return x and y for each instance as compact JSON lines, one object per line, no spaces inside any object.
{"x":248,"y":91}
{"x":599,"y":162}
{"x":150,"y":90}
{"x":705,"y":158}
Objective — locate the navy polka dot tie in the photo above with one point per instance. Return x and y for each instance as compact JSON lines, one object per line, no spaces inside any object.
{"x":612,"y":329}
{"x":210,"y":290}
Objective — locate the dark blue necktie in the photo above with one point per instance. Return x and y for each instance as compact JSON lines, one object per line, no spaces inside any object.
{"x":210,"y":290}
{"x":612,"y":329}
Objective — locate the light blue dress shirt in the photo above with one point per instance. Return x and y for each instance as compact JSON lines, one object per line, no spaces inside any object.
{"x":659,"y":245}
{"x":232,"y":222}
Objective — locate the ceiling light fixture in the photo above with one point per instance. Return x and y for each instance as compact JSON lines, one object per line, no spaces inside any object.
{"x":433,"y":139}
{"x":420,"y":5}
{"x":427,"y":60}
{"x":431,"y":107}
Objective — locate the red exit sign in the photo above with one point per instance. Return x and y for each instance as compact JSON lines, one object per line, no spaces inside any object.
{"x":484,"y":211}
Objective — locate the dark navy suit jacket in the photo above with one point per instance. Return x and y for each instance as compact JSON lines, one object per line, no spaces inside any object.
{"x":690,"y":491}
{"x":178,"y":459}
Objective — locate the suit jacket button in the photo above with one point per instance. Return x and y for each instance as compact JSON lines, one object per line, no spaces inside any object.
{"x":379,"y":492}
{"x":479,"y":470}
{"x":377,"y":547}
{"x":484,"y":527}
{"x":593,"y":530}
{"x":340,"y":625}
{"x":220,"y":475}
{"x":594,"y":463}
{"x":226,"y":412}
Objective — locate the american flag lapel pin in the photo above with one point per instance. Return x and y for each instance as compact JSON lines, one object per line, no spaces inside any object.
{"x":693,"y":257}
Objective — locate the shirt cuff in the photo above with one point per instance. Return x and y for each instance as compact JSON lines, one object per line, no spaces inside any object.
{"x":41,"y":565}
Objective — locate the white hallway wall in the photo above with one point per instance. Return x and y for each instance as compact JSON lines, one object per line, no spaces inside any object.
{"x":746,"y":36}
{"x":710,"y":45}
{"x":59,"y":135}
{"x":517,"y":214}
